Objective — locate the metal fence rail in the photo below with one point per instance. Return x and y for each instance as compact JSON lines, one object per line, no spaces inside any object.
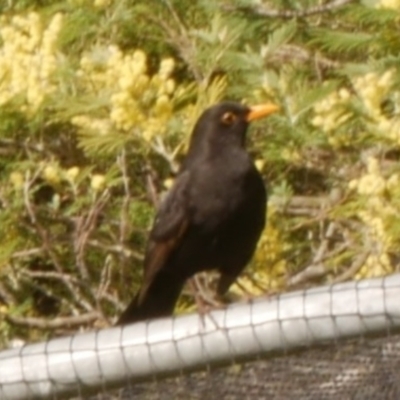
{"x":88,"y":362}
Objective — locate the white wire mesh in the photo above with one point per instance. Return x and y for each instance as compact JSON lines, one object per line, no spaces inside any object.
{"x":150,"y":350}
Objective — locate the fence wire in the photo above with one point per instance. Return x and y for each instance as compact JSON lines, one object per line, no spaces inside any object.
{"x":333,"y":342}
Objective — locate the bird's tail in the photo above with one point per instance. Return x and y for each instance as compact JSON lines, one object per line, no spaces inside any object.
{"x":155,"y":301}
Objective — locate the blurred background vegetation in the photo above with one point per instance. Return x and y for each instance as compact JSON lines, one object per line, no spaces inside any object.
{"x":97,"y":102}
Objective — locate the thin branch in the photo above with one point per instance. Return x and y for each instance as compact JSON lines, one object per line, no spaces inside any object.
{"x":183,"y":44}
{"x":105,"y":280}
{"x":5,"y":295}
{"x":124,"y":216}
{"x":176,"y":17}
{"x":27,"y":253}
{"x":308,"y":274}
{"x":151,"y":187}
{"x":84,"y":229}
{"x":353,"y":269}
{"x":7,"y":146}
{"x":52,"y":275}
{"x":113,"y":300}
{"x":264,"y":12}
{"x":293,"y":53}
{"x":159,"y":147}
{"x":118,"y":249}
{"x":324,"y":243}
{"x":317,"y":269}
{"x":56,"y":323}
{"x":45,"y":238}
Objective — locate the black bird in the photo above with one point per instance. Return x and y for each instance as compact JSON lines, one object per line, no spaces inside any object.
{"x":212,"y":217}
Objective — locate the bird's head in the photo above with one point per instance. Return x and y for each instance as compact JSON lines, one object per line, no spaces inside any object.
{"x":225,"y":123}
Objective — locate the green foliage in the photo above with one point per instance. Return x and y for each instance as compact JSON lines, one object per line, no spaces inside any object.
{"x":281,"y":36}
{"x":336,"y":41}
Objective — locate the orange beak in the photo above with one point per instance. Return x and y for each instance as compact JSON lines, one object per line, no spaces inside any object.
{"x":260,"y":111}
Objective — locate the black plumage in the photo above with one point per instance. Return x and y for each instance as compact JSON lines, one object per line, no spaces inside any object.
{"x":212,"y":217}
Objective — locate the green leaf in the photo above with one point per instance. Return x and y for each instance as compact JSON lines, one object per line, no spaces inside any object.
{"x":372,"y":15}
{"x":281,"y":36}
{"x":94,"y":144}
{"x":339,"y":41}
{"x":315,"y":95}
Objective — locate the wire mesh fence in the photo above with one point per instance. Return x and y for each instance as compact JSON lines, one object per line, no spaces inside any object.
{"x":332,"y":342}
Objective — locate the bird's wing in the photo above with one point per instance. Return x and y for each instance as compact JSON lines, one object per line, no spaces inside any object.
{"x":168,"y":229}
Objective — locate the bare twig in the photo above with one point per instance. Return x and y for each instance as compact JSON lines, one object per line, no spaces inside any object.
{"x":84,"y":229}
{"x":27,"y":253}
{"x":5,"y":295}
{"x":46,"y":242}
{"x":118,"y":249}
{"x":151,"y":187}
{"x":323,"y":247}
{"x":27,"y":185}
{"x":159,"y":147}
{"x":113,"y":300}
{"x":317,"y":269}
{"x":308,"y":274}
{"x":176,"y":17}
{"x":56,"y":323}
{"x":123,"y":223}
{"x":7,"y":146}
{"x":263,"y":11}
{"x":182,"y":42}
{"x":52,"y":275}
{"x":290,"y":52}
{"x":105,"y":280}
{"x":353,"y":269}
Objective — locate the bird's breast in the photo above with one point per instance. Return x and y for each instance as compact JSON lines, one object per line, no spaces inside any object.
{"x":218,"y":193}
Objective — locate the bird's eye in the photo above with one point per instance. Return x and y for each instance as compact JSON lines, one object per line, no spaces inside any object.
{"x":228,"y":118}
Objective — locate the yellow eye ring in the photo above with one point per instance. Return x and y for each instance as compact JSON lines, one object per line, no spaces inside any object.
{"x":228,"y":118}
